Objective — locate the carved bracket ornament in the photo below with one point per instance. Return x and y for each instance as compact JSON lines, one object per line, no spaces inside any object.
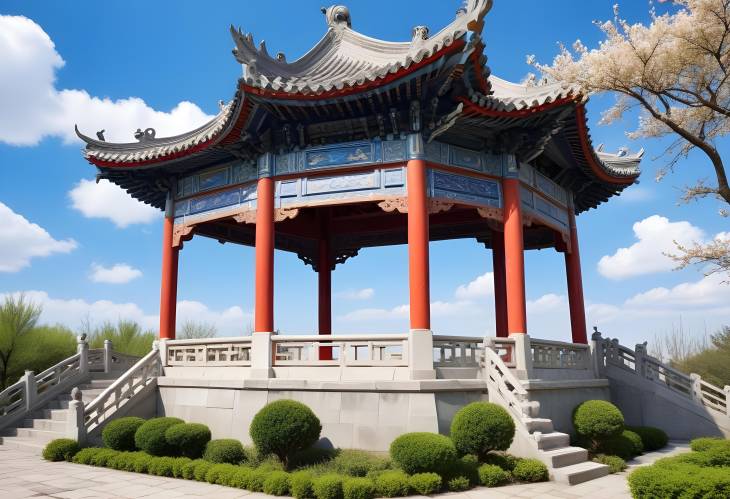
{"x":490,"y":213}
{"x":245,"y":217}
{"x":181,"y":233}
{"x":394,"y":204}
{"x":281,"y":214}
{"x":437,"y":206}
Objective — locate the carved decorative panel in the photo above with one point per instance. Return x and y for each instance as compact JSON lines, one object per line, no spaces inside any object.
{"x":460,"y":188}
{"x":246,"y":217}
{"x":437,"y":206}
{"x":281,"y":214}
{"x":181,"y":233}
{"x":399,"y":204}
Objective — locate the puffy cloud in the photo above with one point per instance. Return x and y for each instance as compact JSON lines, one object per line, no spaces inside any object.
{"x":120,"y":273}
{"x":656,"y":235}
{"x":546,"y":303}
{"x":232,"y":321}
{"x":21,"y":240}
{"x":356,"y":294}
{"x":31,"y":107}
{"x":708,"y":291}
{"x":481,"y":287}
{"x":107,"y":200}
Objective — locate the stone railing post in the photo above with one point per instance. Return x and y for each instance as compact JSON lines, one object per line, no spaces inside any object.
{"x":31,"y":390}
{"x":488,"y":345}
{"x":420,"y":354}
{"x":161,"y":347}
{"x":640,"y":359}
{"x":523,"y":354}
{"x":261,"y":355}
{"x":75,"y":422}
{"x":727,"y":399}
{"x":696,"y":387}
{"x":107,"y":356}
{"x":83,"y":350}
{"x":597,"y":352}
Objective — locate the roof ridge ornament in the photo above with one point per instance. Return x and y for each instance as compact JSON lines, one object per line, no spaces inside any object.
{"x":337,"y":15}
{"x":147,"y":136}
{"x":419,"y":33}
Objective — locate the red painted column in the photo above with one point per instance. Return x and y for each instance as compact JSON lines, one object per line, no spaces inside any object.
{"x":500,"y":284}
{"x":575,"y":286}
{"x":418,"y":237}
{"x":168,"y":284}
{"x":514,"y":258}
{"x":324,"y":270}
{"x":264,"y":295}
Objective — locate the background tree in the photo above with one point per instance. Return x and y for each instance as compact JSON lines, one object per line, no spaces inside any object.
{"x":675,"y":70}
{"x":39,"y":349}
{"x":126,"y":337}
{"x":18,"y":317}
{"x":192,"y":329}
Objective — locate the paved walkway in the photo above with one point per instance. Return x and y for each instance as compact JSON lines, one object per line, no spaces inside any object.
{"x":27,"y":475}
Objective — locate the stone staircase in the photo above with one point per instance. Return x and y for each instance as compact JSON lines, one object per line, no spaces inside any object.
{"x":49,"y":422}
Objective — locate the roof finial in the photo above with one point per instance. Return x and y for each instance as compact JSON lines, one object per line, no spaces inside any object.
{"x":337,"y":15}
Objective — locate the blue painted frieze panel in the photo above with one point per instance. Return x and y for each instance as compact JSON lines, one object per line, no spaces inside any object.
{"x":212,"y":179}
{"x":394,"y":177}
{"x":342,"y":183}
{"x":214,"y":201}
{"x":462,"y":188}
{"x":340,"y":156}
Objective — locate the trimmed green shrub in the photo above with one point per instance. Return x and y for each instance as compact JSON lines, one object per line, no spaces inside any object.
{"x":505,"y":461}
{"x":327,"y":486}
{"x":358,"y":488}
{"x":358,"y":463}
{"x":480,"y":427}
{"x":118,"y":434}
{"x":466,"y":466}
{"x":61,"y":449}
{"x":392,"y":484}
{"x":300,"y":485}
{"x":240,"y":477}
{"x":200,"y":470}
{"x":150,"y":436}
{"x":161,"y":466}
{"x":224,"y":450}
{"x":636,"y":443}
{"x":188,"y":439}
{"x":425,"y":483}
{"x":625,"y":445}
{"x":277,"y":483}
{"x":312,"y":456}
{"x":652,"y":438}
{"x":682,"y":480}
{"x":491,"y":475}
{"x":615,"y":464}
{"x":459,"y":483}
{"x":284,"y":427}
{"x":423,"y":452}
{"x":84,"y":455}
{"x":220,"y":474}
{"x":188,"y":469}
{"x":102,"y":457}
{"x":178,"y":464}
{"x":530,"y":470}
{"x":704,"y":443}
{"x":256,"y":479}
{"x":141,"y":462}
{"x":597,"y":420}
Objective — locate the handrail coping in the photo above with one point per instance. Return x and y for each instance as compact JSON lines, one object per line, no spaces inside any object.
{"x":207,"y":341}
{"x":576,"y":346}
{"x":446,"y":337}
{"x":54,"y":367}
{"x":14,"y":386}
{"x":327,"y":338}
{"x":513,"y":380}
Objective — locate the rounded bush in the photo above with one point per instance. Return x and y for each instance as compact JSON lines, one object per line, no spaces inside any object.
{"x":277,"y":483}
{"x":224,"y":450}
{"x":200,"y":470}
{"x":178,"y":465}
{"x":458,"y":483}
{"x":480,"y":427}
{"x":161,"y":466}
{"x":118,"y":434}
{"x":597,"y":420}
{"x":682,"y":480}
{"x":327,"y":486}
{"x":300,"y":485}
{"x":423,"y":452}
{"x":220,"y":474}
{"x":150,"y":436}
{"x":141,"y":462}
{"x":188,"y":439}
{"x":102,"y":457}
{"x":392,"y":484}
{"x":625,"y":445}
{"x":425,"y":483}
{"x":636,"y":442}
{"x":530,"y":470}
{"x":358,"y":488}
{"x":61,"y":449}
{"x":256,"y":479}
{"x":615,"y":464}
{"x":652,"y":438}
{"x":358,"y":463}
{"x":84,"y":455}
{"x":284,"y":427}
{"x":505,"y":461}
{"x":188,"y":469}
{"x":491,"y":475}
{"x":704,"y":443}
{"x":240,"y":477}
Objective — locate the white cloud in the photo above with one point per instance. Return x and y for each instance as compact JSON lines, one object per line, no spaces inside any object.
{"x":120,"y":273}
{"x":481,"y":287}
{"x":31,"y":107}
{"x":546,"y":303}
{"x":232,"y":321}
{"x":708,"y":291}
{"x":21,"y":240}
{"x":107,"y":200}
{"x":356,"y":294}
{"x":656,"y":236}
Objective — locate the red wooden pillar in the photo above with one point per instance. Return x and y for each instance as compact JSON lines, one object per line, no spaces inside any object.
{"x":324,"y":270}
{"x":575,"y":286}
{"x":500,"y":284}
{"x":514,"y":258}
{"x":168,"y":284}
{"x":264,"y":295}
{"x":420,"y":306}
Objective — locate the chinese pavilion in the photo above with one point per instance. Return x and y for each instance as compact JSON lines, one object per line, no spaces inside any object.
{"x":363,"y":142}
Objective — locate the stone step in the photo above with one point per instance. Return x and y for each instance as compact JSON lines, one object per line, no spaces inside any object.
{"x":86,"y":395}
{"x":564,"y":456}
{"x":543,"y":425}
{"x":101,"y":383}
{"x":23,"y":444}
{"x":45,"y":424}
{"x":579,"y":473}
{"x":554,"y":440}
{"x":40,"y":436}
{"x":54,"y":414}
{"x":58,"y":404}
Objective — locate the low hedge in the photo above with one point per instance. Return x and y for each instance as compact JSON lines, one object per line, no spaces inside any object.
{"x":300,"y":485}
{"x":423,"y":452}
{"x":505,"y":461}
{"x":118,"y":434}
{"x":625,"y":445}
{"x":392,"y":483}
{"x":358,"y":488}
{"x":220,"y":474}
{"x":161,"y":466}
{"x":277,"y":483}
{"x":615,"y":464}
{"x":61,"y":449}
{"x":480,"y":427}
{"x":425,"y":483}
{"x":358,"y":463}
{"x":224,"y":450}
{"x":530,"y":470}
{"x":150,"y":436}
{"x":652,"y":438}
{"x":681,"y":480}
{"x":188,"y":439}
{"x":705,"y":443}
{"x":328,"y":486}
{"x":491,"y":475}
{"x":459,"y":483}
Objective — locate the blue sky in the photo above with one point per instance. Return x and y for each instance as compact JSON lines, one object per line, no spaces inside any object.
{"x":59,"y":61}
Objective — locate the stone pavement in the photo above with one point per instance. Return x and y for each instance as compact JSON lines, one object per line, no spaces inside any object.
{"x":26,"y":475}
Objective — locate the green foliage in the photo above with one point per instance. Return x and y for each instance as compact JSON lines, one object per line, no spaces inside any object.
{"x":126,"y":337}
{"x":491,"y":475}
{"x":256,"y":479}
{"x":301,"y":485}
{"x":102,"y":457}
{"x":220,"y":474}
{"x":141,"y":462}
{"x":118,"y":434}
{"x":284,"y":427}
{"x":626,"y":445}
{"x":150,"y":436}
{"x":39,"y":349}
{"x":18,"y":317}
{"x":277,"y":483}
{"x":327,"y":486}
{"x":615,"y":464}
{"x":711,"y":362}
{"x":200,"y":469}
{"x":188,"y":439}
{"x":313,"y":456}
{"x":458,"y":483}
{"x":84,"y":455}
{"x":240,"y":477}
{"x":61,"y":449}
{"x":704,"y":443}
{"x":530,"y":470}
{"x":680,"y":480}
{"x":188,"y":469}
{"x":358,"y":463}
{"x":161,"y":466}
{"x":423,"y":452}
{"x":195,"y":330}
{"x":392,"y":483}
{"x":358,"y":488}
{"x":178,"y":465}
{"x":636,"y":443}
{"x":224,"y":450}
{"x":651,"y":438}
{"x":425,"y":483}
{"x":466,"y":466}
{"x":597,"y":420}
{"x":480,"y":427}
{"x":505,"y":461}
